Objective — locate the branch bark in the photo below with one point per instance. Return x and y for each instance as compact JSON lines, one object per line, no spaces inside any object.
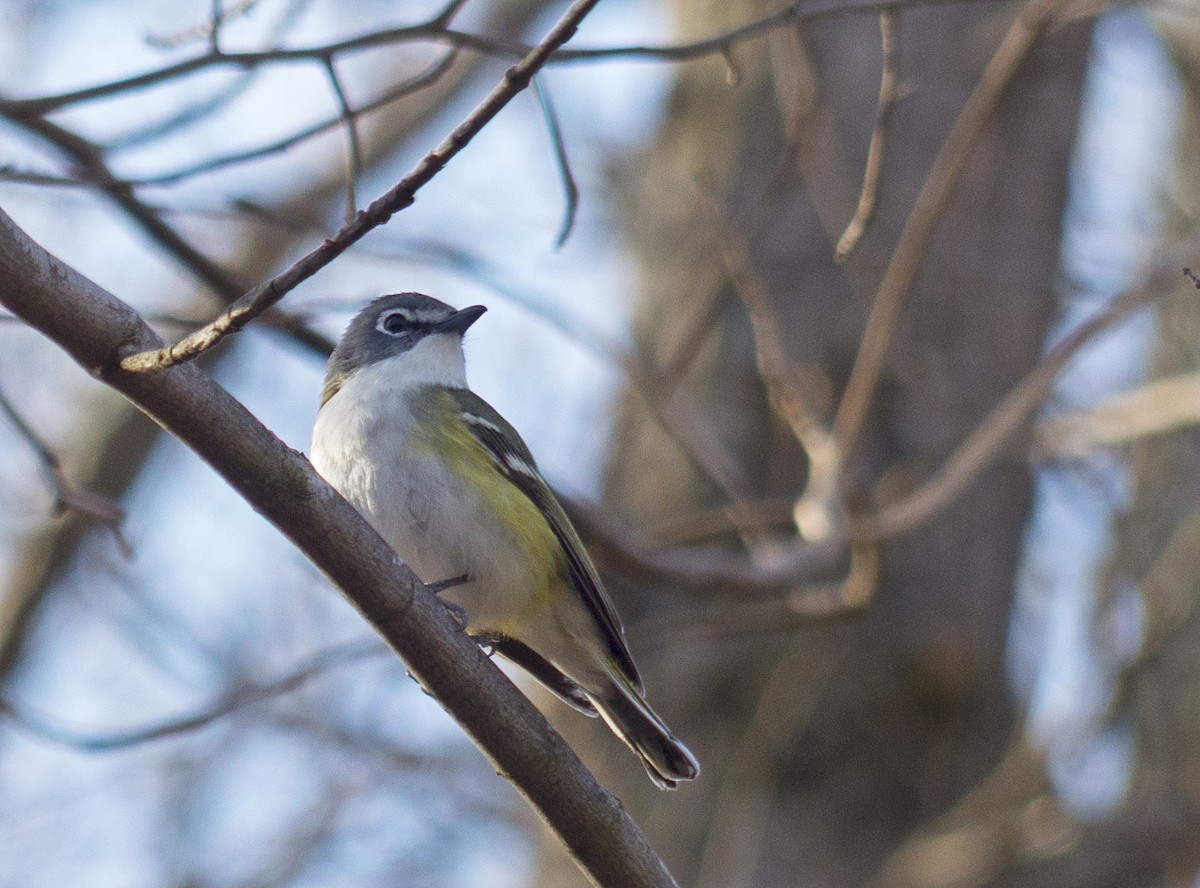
{"x":98,"y":330}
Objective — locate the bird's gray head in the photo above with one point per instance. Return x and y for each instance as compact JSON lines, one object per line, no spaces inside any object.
{"x":425,"y":332}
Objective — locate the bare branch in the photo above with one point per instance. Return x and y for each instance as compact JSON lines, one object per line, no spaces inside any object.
{"x":1034,"y":17}
{"x":354,"y":155}
{"x":709,"y":569}
{"x":818,"y":513}
{"x":561,"y":161}
{"x":1151,"y":409}
{"x":426,"y":78}
{"x":214,"y":30}
{"x":379,"y":212}
{"x":95,"y":328}
{"x":889,"y":82}
{"x":93,"y":505}
{"x":989,"y":439}
{"x":436,"y":30}
{"x":802,"y":605}
{"x":242,"y":696}
{"x":723,"y":44}
{"x":24,"y":109}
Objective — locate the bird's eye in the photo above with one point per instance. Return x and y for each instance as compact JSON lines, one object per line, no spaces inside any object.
{"x":393,"y":322}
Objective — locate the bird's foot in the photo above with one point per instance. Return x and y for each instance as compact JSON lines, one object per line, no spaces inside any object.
{"x":456,"y":611}
{"x":442,"y":585}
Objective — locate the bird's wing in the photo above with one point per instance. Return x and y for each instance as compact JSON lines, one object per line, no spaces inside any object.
{"x":514,"y":461}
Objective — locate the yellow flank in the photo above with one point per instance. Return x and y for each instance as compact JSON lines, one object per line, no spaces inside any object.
{"x":507,"y":506}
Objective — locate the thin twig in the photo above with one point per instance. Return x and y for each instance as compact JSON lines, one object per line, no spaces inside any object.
{"x":379,"y":212}
{"x":786,"y":610}
{"x":92,"y":325}
{"x":989,"y":439}
{"x":214,"y":30}
{"x":93,"y":167}
{"x":723,"y":43}
{"x":1034,"y":17}
{"x":1155,"y":408}
{"x":570,"y":189}
{"x":89,"y":741}
{"x":889,"y":82}
{"x":67,"y":497}
{"x":426,"y":78}
{"x":354,"y":155}
{"x":13,"y":174}
{"x":818,"y":512}
{"x":435,"y":30}
{"x":203,"y":32}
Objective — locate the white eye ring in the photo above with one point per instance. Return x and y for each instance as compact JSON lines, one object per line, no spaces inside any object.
{"x":388,"y":317}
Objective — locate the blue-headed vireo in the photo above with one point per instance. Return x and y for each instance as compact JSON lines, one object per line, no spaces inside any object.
{"x":454,"y":490}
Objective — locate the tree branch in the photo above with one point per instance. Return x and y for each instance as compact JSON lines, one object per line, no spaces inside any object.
{"x":400,"y":196}
{"x":1031,"y":21}
{"x":437,"y":30}
{"x":97,"y":329}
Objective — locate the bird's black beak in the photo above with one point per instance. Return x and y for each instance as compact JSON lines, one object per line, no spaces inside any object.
{"x":460,"y":320}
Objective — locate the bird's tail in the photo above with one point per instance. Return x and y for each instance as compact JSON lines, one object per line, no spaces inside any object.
{"x":666,"y":759}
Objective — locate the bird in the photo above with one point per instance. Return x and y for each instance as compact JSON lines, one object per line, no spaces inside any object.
{"x":450,"y":485}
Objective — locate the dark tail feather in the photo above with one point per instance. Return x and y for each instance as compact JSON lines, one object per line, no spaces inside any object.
{"x":551,"y":677}
{"x":667,"y":760}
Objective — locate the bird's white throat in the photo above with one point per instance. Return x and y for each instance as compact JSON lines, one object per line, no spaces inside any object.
{"x":435,"y":360}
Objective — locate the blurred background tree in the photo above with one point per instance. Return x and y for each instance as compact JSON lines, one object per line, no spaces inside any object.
{"x":920,"y":603}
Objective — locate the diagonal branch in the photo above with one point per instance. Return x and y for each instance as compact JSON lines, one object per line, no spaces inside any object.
{"x":889,"y":91}
{"x":1033,"y":18}
{"x":987,"y":442}
{"x":438,"y":30}
{"x":94,"y":505}
{"x":95,"y":327}
{"x":354,"y":153}
{"x":316,"y":665}
{"x":561,"y":160}
{"x":401,"y":195}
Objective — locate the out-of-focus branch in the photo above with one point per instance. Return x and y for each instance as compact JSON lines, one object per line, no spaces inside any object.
{"x":803,"y":604}
{"x":95,"y":328}
{"x":400,"y":196}
{"x":1156,"y":407}
{"x":90,"y":159}
{"x":561,"y":160}
{"x":706,"y":570}
{"x":437,"y":30}
{"x":715,"y":569}
{"x":354,"y":154}
{"x":889,"y":84}
{"x":989,"y":439}
{"x":1032,"y":20}
{"x":67,"y":497}
{"x":244,"y":695}
{"x":119,"y":455}
{"x":818,"y":513}
{"x":425,"y":79}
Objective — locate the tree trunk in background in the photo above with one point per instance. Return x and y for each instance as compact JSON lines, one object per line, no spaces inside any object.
{"x":824,"y":748}
{"x":1157,"y":550}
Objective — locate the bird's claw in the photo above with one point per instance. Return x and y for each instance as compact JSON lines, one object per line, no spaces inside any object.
{"x":456,"y":611}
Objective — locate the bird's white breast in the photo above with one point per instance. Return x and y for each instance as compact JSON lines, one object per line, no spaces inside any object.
{"x":364,"y":445}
